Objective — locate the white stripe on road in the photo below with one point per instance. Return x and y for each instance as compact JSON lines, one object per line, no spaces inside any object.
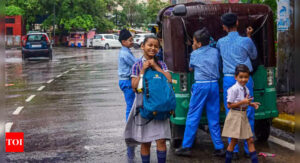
{"x":18,"y":110}
{"x":41,"y":88}
{"x":8,"y":126}
{"x":282,"y":143}
{"x":30,"y":98}
{"x":50,"y":81}
{"x":58,"y":76}
{"x":66,"y":72}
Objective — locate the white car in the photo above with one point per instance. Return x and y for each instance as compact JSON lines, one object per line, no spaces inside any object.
{"x":139,"y":38}
{"x":106,"y":41}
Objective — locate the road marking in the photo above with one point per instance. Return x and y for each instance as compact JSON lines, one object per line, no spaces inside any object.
{"x":41,"y":88}
{"x":8,"y":126}
{"x":18,"y":110}
{"x":50,"y":81}
{"x":30,"y":98}
{"x":282,"y":143}
{"x":58,"y":76}
{"x":73,"y":68}
{"x":66,"y":72}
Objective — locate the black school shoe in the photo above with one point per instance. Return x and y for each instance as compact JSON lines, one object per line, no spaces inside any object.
{"x":235,"y":156}
{"x":219,"y":153}
{"x":183,"y":152}
{"x":246,"y":155}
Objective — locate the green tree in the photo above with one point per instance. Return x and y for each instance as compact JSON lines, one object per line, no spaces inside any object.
{"x":31,"y":9}
{"x":13,"y":10}
{"x":84,"y":22}
{"x":66,"y":10}
{"x":153,"y":8}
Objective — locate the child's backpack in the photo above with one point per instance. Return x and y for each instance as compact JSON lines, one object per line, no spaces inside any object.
{"x":158,"y":96}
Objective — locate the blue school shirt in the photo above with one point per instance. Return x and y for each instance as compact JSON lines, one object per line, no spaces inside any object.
{"x":206,"y":63}
{"x":234,"y":50}
{"x":126,"y":60}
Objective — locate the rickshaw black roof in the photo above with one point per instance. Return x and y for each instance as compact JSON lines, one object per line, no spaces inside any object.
{"x":200,"y":15}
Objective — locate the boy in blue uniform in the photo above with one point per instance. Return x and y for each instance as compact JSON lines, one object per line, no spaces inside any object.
{"x":126,"y":60}
{"x":236,"y":50}
{"x":205,"y":62}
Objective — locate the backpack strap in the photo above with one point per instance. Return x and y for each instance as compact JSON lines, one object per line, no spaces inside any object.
{"x":147,"y":88}
{"x":137,"y":112}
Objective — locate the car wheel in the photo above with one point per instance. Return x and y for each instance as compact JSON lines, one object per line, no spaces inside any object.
{"x":106,"y":46}
{"x":50,"y":55}
{"x":136,"y":46}
{"x":23,"y":56}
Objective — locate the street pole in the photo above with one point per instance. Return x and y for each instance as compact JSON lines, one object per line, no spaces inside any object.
{"x":2,"y":82}
{"x":285,"y":47}
{"x":54,"y":23}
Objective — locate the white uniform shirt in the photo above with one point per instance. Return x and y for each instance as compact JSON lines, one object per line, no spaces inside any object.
{"x":236,"y":94}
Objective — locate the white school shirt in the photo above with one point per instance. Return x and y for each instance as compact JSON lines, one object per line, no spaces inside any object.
{"x":236,"y":94}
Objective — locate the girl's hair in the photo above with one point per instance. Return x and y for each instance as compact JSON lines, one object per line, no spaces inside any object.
{"x":241,"y":68}
{"x":150,"y":37}
{"x":155,"y":38}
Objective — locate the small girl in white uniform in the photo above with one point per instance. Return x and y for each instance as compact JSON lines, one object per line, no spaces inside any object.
{"x":236,"y":124}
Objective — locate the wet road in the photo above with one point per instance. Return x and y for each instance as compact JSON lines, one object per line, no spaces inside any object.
{"x":72,"y":110}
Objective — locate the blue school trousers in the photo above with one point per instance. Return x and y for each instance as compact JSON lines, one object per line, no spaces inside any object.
{"x":229,"y":81}
{"x":204,"y":94}
{"x":125,"y":86}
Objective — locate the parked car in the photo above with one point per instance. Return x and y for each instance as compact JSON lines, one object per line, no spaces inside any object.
{"x":106,"y":41}
{"x":36,"y":45}
{"x":139,"y":38}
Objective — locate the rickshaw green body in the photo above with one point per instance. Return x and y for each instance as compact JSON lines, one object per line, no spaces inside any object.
{"x":263,"y":93}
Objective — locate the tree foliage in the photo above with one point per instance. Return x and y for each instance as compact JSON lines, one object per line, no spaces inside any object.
{"x":153,"y":8}
{"x":84,"y":22}
{"x":13,"y":10}
{"x":69,"y":14}
{"x":86,"y":14}
{"x":139,"y":14}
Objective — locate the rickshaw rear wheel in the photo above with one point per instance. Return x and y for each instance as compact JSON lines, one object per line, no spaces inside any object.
{"x":177,"y":133}
{"x":262,"y":128}
{"x":176,"y":143}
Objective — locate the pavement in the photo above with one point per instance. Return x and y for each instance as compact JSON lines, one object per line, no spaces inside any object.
{"x":71,"y":109}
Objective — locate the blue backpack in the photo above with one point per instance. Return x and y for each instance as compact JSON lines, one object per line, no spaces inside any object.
{"x":158,"y":96}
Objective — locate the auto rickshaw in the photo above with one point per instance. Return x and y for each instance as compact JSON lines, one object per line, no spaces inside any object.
{"x":177,"y":23}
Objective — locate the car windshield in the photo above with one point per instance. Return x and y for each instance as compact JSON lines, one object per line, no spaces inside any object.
{"x":137,"y":36}
{"x":37,"y":37}
{"x":108,"y":36}
{"x":98,"y":36}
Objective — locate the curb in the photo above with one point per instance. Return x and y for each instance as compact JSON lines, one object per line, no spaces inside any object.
{"x":284,"y":122}
{"x":13,"y":48}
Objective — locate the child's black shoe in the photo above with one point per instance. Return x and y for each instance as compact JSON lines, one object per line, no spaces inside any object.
{"x":235,"y":156}
{"x":219,"y":153}
{"x":246,"y":155}
{"x":183,"y":152}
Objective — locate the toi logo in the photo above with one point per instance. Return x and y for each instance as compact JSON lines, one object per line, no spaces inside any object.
{"x":15,"y":142}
